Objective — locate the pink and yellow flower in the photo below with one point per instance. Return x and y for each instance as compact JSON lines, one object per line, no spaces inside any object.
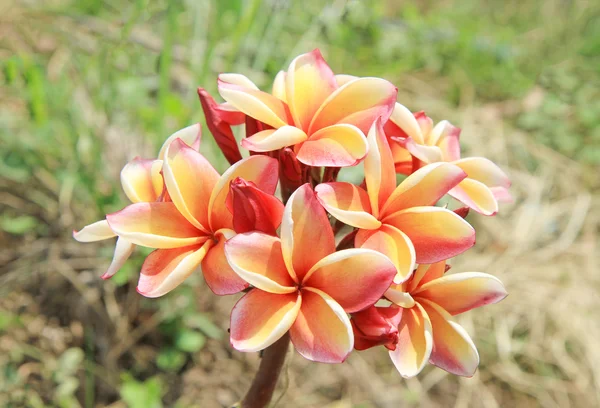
{"x":302,"y":285}
{"x":400,"y":222}
{"x":417,"y":143}
{"x":426,"y":331}
{"x":192,"y":229}
{"x":142,"y":182}
{"x":326,"y":123}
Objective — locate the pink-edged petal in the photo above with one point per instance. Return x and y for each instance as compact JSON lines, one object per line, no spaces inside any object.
{"x":219,"y":124}
{"x":155,"y":225}
{"x":459,"y":292}
{"x":260,"y":318}
{"x":253,"y":209}
{"x":453,"y":349}
{"x":274,"y":139}
{"x":476,"y":196}
{"x":502,"y":194}
{"x":278,"y":90}
{"x":354,"y":278}
{"x":190,"y":180}
{"x":436,"y":233}
{"x":238,"y":79}
{"x":449,"y":143}
{"x":340,"y":145}
{"x":309,"y":83}
{"x":424,"y":187}
{"x":426,"y":273}
{"x":141,"y":180}
{"x":306,"y":235}
{"x":405,"y":120}
{"x":123,"y":251}
{"x":97,"y":231}
{"x":218,"y":274}
{"x":485,"y":171}
{"x":348,"y":203}
{"x":380,"y":175}
{"x":191,"y":136}
{"x":376,"y":326}
{"x":165,"y":269}
{"x":257,"y":258}
{"x":261,"y":170}
{"x":358,"y":102}
{"x":427,"y":154}
{"x":394,"y":244}
{"x":343,"y":79}
{"x":322,"y":331}
{"x":257,"y":104}
{"x":415,"y":342}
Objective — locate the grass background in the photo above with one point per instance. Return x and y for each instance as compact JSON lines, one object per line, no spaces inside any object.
{"x":87,"y":85}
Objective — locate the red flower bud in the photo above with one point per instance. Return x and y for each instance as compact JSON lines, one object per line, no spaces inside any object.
{"x":376,"y":326}
{"x":252,"y":208}
{"x":219,"y":123}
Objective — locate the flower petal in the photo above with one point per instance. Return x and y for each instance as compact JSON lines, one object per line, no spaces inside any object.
{"x":165,"y":269}
{"x":190,"y":180}
{"x":219,"y":126}
{"x":123,"y":251}
{"x":322,"y":331}
{"x":278,"y":90}
{"x":424,"y":187}
{"x":427,"y":154}
{"x":191,"y":136}
{"x":260,"y":318}
{"x":141,"y":180}
{"x":449,"y":143}
{"x":398,"y":296}
{"x":238,"y":79}
{"x":348,"y":203}
{"x":376,"y":326}
{"x":406,"y":121}
{"x":475,"y":195}
{"x":380,"y":175}
{"x":484,"y":170}
{"x":394,"y":244}
{"x":257,"y":258}
{"x":334,"y":146}
{"x":358,"y":102}
{"x":453,"y":349}
{"x":274,"y":139}
{"x":306,"y":235}
{"x":97,"y":231}
{"x":415,"y":342}
{"x":354,"y":278}
{"x":459,"y":292}
{"x":426,"y":273}
{"x":309,"y":83}
{"x":218,"y":274}
{"x":261,"y":170}
{"x":253,"y":209}
{"x":254,"y":103}
{"x":436,"y":233}
{"x":155,"y":225}
{"x":502,"y":194}
{"x":343,"y":79}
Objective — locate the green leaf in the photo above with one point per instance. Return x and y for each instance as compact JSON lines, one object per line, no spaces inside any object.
{"x":138,"y":394}
{"x":170,"y":359}
{"x":18,"y":225}
{"x":204,"y":324}
{"x":190,"y":341}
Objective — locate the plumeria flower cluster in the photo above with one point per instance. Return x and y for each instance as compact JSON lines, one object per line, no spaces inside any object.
{"x":336,"y":265}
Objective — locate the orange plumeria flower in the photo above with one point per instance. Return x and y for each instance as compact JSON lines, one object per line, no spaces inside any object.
{"x":192,"y":229}
{"x":426,"y":331}
{"x":302,"y":285}
{"x":400,"y":222}
{"x":418,"y":142}
{"x":325,"y":122}
{"x":142,"y":182}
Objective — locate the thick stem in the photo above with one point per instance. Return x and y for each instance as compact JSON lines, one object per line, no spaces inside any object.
{"x":261,"y":391}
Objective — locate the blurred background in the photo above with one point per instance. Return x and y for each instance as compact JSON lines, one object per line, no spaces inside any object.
{"x":87,"y":85}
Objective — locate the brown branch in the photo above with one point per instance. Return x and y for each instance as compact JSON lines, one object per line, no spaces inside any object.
{"x":261,"y":391}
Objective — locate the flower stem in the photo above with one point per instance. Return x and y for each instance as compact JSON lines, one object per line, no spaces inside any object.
{"x":261,"y":391}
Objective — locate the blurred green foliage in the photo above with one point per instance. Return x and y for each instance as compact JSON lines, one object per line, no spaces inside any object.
{"x":88,"y":84}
